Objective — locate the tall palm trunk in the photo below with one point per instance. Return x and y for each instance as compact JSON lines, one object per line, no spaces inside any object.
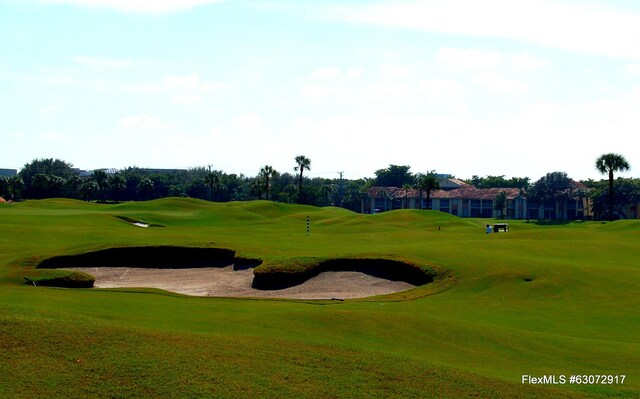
{"x":300,"y":183}
{"x":611,"y":196}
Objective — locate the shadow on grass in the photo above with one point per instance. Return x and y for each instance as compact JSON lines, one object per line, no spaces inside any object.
{"x":548,"y":222}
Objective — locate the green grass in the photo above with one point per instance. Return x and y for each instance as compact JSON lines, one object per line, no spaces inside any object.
{"x":541,"y":299}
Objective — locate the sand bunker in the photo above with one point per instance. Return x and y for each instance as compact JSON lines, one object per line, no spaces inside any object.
{"x":227,"y":282}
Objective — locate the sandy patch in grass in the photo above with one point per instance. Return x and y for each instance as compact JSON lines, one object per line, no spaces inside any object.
{"x":226,"y":282}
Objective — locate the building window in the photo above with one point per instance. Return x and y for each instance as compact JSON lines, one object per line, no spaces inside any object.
{"x":475,"y":210}
{"x":425,"y":204}
{"x":444,"y":205}
{"x":487,"y":208}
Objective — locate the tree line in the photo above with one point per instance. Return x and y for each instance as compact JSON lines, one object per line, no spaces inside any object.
{"x":49,"y":178}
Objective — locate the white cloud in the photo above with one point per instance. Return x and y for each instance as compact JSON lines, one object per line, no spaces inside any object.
{"x":17,"y":135}
{"x":633,"y":69}
{"x":189,"y":89}
{"x":143,"y":121}
{"x":593,"y":28}
{"x":499,"y":83}
{"x":396,"y":69}
{"x":475,"y":59}
{"x":101,"y":62}
{"x":192,"y":149}
{"x":53,"y":136}
{"x":317,"y":91}
{"x":370,"y":135}
{"x":62,"y":80}
{"x":562,"y":131}
{"x":386,"y":91}
{"x":186,"y":98}
{"x":469,"y":58}
{"x":138,"y":6}
{"x":327,"y":73}
{"x":334,"y":73}
{"x":152,"y":88}
{"x":48,"y":110}
{"x":443,"y":87}
{"x":249,"y":121}
{"x":527,"y":62}
{"x":187,"y":82}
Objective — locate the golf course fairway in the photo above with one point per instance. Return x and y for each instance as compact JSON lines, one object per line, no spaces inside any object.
{"x":496,"y":311}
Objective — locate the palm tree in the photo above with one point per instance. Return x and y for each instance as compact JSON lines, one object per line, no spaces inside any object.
{"x":211,"y":179}
{"x":268,"y":172}
{"x":609,"y":163}
{"x":418,"y":184}
{"x":145,"y":188}
{"x":303,"y":163}
{"x":101,"y":178}
{"x":256,"y":188}
{"x":406,"y":188}
{"x":428,"y":182}
{"x":117,"y":184}
{"x":88,"y":188}
{"x":215,"y":183}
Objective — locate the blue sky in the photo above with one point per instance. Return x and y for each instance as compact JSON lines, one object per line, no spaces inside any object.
{"x":498,"y":87}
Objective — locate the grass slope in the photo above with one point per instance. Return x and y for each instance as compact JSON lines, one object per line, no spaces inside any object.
{"x":538,"y":300}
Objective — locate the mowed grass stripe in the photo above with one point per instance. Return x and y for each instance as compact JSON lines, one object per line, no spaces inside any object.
{"x":94,"y":360}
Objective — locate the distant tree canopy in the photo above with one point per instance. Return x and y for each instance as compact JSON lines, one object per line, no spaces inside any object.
{"x":626,"y":193}
{"x":11,"y":187}
{"x":394,"y":176}
{"x":55,"y":178}
{"x":550,"y":187}
{"x":4,"y":188}
{"x":499,"y":182}
{"x":44,"y":178}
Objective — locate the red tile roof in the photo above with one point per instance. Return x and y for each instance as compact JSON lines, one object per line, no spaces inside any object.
{"x":465,"y":191}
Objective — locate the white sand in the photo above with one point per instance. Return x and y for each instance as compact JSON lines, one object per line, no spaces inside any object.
{"x":225,"y":282}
